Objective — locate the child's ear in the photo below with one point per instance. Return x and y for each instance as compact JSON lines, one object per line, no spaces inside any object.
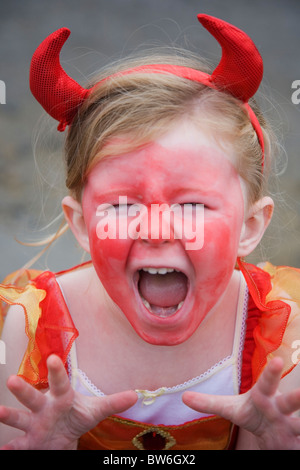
{"x":255,"y":224}
{"x":74,"y":216}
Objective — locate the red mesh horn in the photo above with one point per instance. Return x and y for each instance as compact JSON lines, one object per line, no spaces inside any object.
{"x":58,"y":93}
{"x":240,"y":70}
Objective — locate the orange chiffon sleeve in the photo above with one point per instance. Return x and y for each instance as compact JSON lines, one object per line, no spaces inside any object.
{"x":273,"y":323}
{"x":48,"y":324}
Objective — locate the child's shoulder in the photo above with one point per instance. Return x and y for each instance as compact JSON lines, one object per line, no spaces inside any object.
{"x":81,"y":290}
{"x":77,"y":277}
{"x":37,"y":316}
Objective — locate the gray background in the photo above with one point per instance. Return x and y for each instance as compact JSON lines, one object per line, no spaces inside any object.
{"x":31,"y":175}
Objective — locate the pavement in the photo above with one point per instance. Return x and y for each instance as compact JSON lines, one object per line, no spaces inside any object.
{"x":31,"y":173}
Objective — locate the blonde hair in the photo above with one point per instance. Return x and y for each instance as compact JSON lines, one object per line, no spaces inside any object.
{"x":141,"y":107}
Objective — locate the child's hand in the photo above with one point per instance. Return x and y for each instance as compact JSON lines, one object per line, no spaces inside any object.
{"x":57,"y":418}
{"x":263,"y":411}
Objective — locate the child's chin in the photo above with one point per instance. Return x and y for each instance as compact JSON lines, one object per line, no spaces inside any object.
{"x":160,"y":338}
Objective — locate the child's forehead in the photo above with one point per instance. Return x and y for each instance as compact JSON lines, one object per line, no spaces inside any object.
{"x":159,"y":172}
{"x":185,"y":151}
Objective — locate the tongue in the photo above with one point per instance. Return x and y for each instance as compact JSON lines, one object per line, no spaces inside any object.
{"x":163,"y":290}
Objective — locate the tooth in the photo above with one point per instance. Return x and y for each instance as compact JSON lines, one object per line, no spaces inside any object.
{"x":152,"y":270}
{"x":180,"y":304}
{"x":159,"y":270}
{"x":162,"y":270}
{"x":146,"y":303}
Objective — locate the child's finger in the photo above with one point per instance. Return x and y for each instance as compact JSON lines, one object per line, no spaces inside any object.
{"x":113,"y":404}
{"x":199,"y":402}
{"x":211,"y":404}
{"x":288,"y":403}
{"x":26,"y":394}
{"x":294,"y":424}
{"x":18,"y":419}
{"x":57,"y":376}
{"x":269,"y":380}
{"x":20,"y":443}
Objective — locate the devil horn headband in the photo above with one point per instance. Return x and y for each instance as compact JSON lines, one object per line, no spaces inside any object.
{"x":239,"y":73}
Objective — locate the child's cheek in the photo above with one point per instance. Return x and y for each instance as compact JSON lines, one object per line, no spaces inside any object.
{"x":222,"y":247}
{"x":109,"y":255}
{"x":216,"y":260}
{"x":222,"y":236}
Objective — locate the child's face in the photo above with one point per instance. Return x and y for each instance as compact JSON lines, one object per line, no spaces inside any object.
{"x":185,"y":166}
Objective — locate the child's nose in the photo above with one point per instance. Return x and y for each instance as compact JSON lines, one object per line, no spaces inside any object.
{"x":157,"y":226}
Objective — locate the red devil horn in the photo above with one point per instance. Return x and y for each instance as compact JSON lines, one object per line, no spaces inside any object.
{"x":240,"y":70}
{"x":58,"y":93}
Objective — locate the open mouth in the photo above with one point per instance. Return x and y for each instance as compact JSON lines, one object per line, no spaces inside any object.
{"x":162,"y":290}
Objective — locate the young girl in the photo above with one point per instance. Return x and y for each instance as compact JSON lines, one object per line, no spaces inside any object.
{"x":166,"y":339}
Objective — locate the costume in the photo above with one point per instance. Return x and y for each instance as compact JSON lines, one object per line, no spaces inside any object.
{"x":270,"y":301}
{"x":269,"y":328}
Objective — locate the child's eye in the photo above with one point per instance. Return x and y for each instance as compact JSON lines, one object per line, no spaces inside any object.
{"x":120,"y":206}
{"x":123,"y":206}
{"x":197,"y":206}
{"x":128,"y":209}
{"x":192,"y":205}
{"x":192,"y":210}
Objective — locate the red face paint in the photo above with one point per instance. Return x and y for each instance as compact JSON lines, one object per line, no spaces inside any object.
{"x":183,"y":167}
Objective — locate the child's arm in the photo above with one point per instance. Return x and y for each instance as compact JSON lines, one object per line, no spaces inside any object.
{"x":266,"y":417}
{"x":46,"y":420}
